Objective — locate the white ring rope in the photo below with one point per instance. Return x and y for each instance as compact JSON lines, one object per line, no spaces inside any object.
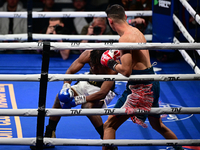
{"x":106,"y":111}
{"x":69,"y":14}
{"x":187,"y":58}
{"x":191,"y":10}
{"x":184,"y":31}
{"x":14,"y":37}
{"x":18,"y":14}
{"x":23,"y":37}
{"x":97,"y":46}
{"x":89,"y":142}
{"x":74,"y":45}
{"x":84,"y":77}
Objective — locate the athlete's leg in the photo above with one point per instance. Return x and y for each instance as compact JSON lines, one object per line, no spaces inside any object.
{"x":56,"y":105}
{"x":53,"y":120}
{"x":111,"y":125}
{"x":96,"y":120}
{"x":158,"y":125}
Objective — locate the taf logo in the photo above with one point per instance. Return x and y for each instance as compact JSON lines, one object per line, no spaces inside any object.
{"x":75,"y":44}
{"x":173,"y":117}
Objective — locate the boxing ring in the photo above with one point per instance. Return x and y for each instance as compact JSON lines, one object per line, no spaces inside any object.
{"x":44,"y":77}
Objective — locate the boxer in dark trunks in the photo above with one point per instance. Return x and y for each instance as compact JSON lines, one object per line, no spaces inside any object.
{"x":142,"y":95}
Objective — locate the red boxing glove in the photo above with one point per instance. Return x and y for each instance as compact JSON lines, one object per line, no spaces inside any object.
{"x":109,"y":54}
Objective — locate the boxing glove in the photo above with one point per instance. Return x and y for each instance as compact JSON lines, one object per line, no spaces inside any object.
{"x":74,"y":102}
{"x":108,"y":58}
{"x":65,"y":105}
{"x":66,"y":95}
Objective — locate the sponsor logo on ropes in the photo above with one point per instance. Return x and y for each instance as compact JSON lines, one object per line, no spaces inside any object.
{"x":139,"y":14}
{"x":109,"y":111}
{"x":17,"y":38}
{"x":176,"y":110}
{"x":75,"y":44}
{"x":109,"y":79}
{"x":41,"y":15}
{"x":171,"y":78}
{"x":173,"y":117}
{"x":17,"y":15}
{"x":75,"y":111}
{"x":109,"y":43}
{"x":142,"y":111}
{"x":66,"y":15}
{"x":90,"y":15}
{"x":169,"y":117}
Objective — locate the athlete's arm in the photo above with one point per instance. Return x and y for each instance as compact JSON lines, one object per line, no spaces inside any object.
{"x":78,"y":63}
{"x":105,"y":88}
{"x":125,"y":67}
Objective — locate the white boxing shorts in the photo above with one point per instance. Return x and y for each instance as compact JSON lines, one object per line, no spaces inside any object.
{"x":85,"y":88}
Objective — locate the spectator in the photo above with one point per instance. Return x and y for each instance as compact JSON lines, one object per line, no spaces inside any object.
{"x":97,"y":27}
{"x":13,"y":25}
{"x":76,"y":24}
{"x":56,"y":26}
{"x":146,"y":27}
{"x":98,"y":5}
{"x":48,"y":6}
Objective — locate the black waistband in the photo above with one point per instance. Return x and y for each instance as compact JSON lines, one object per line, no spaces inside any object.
{"x":99,"y":83}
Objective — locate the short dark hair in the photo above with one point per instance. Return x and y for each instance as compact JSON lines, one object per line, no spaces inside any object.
{"x":116,"y":12}
{"x":95,"y":57}
{"x":55,"y":19}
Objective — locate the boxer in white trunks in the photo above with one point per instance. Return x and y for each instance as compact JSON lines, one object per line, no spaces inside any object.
{"x":88,"y":94}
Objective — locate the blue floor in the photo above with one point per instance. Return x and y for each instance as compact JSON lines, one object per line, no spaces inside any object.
{"x":26,"y":95}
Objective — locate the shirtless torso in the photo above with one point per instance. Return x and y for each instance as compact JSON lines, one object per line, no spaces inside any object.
{"x":140,"y":58}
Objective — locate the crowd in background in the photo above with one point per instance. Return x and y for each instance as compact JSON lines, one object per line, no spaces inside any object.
{"x":72,"y":26}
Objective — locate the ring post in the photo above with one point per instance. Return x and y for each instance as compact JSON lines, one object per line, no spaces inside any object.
{"x":29,"y":20}
{"x":162,"y":21}
{"x":42,"y":95}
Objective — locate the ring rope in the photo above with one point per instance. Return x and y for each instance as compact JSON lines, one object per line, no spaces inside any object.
{"x":95,"y":111}
{"x":97,"y":46}
{"x":188,"y":58}
{"x":191,"y":10}
{"x":89,"y":142}
{"x":23,"y":37}
{"x":84,"y":77}
{"x":69,"y":14}
{"x":50,"y":141}
{"x":184,"y":31}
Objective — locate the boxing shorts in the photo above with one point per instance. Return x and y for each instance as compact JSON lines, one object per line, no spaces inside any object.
{"x":151,"y":88}
{"x":85,"y":88}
